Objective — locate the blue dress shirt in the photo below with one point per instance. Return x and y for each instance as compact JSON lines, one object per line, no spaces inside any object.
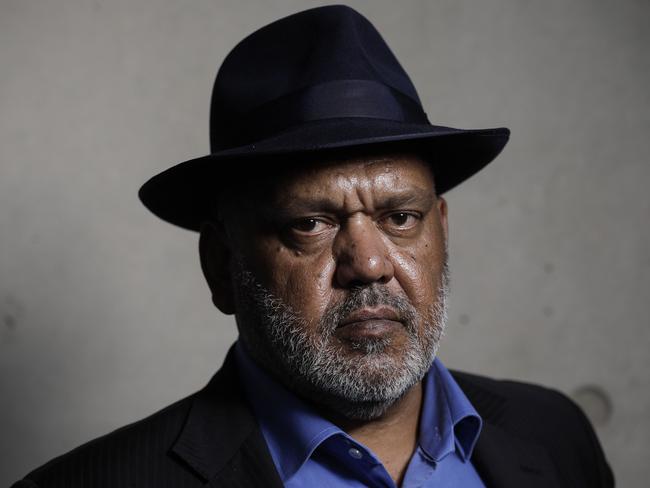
{"x":310,"y":451}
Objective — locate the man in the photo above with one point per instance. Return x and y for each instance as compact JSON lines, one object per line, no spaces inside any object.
{"x":323,"y":230}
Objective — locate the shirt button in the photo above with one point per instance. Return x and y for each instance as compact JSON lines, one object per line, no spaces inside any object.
{"x":355,"y":453}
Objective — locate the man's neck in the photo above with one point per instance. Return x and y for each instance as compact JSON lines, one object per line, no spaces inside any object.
{"x":393,"y":436}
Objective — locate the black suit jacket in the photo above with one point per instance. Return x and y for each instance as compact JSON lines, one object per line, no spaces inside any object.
{"x":532,"y":437}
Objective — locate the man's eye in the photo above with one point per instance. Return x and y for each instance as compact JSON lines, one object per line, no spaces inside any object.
{"x":402,"y":219}
{"x":309,"y":225}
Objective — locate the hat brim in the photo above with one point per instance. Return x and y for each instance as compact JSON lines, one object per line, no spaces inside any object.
{"x":186,"y":193}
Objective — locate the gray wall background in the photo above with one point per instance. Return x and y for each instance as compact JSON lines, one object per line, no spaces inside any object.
{"x":104,"y":316}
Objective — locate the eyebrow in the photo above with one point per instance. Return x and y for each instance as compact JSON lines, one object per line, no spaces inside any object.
{"x":413,"y":196}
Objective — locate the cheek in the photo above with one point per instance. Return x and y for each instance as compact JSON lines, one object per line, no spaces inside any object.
{"x":303,"y":282}
{"x":418,"y":270}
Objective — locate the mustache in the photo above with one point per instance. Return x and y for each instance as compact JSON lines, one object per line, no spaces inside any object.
{"x":373,"y":295}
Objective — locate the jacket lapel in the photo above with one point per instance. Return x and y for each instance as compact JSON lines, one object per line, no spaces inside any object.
{"x":221,"y":441}
{"x":503,"y":459}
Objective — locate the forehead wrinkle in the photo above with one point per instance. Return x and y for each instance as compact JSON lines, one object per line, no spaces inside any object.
{"x":357,"y":190}
{"x":349,"y":185}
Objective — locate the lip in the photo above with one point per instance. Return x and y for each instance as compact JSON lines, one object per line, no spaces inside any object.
{"x":379,"y":314}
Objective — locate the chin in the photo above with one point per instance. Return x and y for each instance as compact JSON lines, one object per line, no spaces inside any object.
{"x":353,"y":408}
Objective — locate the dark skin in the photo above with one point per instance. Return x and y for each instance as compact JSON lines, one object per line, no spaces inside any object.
{"x":314,"y":233}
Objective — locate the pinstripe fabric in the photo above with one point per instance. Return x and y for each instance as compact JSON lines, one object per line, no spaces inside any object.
{"x":532,"y":437}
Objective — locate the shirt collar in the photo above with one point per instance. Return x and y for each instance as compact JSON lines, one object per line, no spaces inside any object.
{"x":449,"y":421}
{"x":293,"y":429}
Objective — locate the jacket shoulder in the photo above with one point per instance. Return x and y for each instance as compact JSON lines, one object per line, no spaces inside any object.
{"x":135,"y":455}
{"x":516,"y":394}
{"x":545,"y":417}
{"x":525,"y":407}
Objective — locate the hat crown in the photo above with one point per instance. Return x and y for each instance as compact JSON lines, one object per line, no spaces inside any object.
{"x":316,"y":81}
{"x":311,"y":48}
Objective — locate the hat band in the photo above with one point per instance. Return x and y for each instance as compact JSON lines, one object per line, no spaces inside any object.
{"x":330,"y":100}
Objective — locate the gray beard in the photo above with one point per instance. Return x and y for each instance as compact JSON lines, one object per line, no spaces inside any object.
{"x":320,"y":368}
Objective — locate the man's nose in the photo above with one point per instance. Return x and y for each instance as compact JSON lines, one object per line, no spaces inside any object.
{"x":361,"y":254}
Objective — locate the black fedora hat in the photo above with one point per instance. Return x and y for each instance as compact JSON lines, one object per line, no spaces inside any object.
{"x":316,"y":81}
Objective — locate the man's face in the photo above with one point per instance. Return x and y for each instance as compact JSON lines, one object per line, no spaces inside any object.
{"x":339,"y":279}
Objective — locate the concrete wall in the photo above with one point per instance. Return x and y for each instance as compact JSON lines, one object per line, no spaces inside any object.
{"x":104,"y":316}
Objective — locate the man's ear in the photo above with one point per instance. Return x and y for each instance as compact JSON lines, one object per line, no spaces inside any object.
{"x":215,"y":253}
{"x":442,"y":212}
